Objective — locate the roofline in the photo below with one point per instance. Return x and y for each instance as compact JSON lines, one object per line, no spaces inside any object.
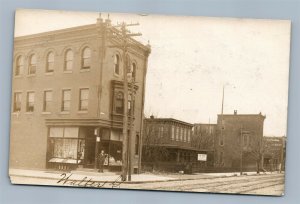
{"x":68,"y":30}
{"x":274,"y":137}
{"x":168,"y":119}
{"x":54,"y":32}
{"x":205,"y":124}
{"x":180,"y":147}
{"x":259,"y":114}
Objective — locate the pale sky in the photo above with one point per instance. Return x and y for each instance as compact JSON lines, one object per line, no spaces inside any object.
{"x":193,"y":57}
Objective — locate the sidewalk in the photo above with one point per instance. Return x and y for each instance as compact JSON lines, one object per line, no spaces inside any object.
{"x":78,"y":176}
{"x":114,"y":177}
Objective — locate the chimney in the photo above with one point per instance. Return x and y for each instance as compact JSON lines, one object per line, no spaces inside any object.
{"x":235,"y":112}
{"x":99,"y":20}
{"x":151,"y":117}
{"x":108,"y":21}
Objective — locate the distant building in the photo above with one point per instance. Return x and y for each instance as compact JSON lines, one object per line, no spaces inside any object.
{"x":204,"y":136}
{"x":167,"y":145}
{"x":274,"y":153}
{"x":68,"y":98}
{"x":239,"y":141}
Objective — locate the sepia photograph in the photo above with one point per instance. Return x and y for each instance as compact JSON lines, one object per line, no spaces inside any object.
{"x":149,"y":102}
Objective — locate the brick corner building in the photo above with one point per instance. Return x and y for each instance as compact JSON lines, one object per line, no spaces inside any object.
{"x":68,"y":98}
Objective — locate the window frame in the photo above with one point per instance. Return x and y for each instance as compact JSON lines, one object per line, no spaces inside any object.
{"x":15,"y":101}
{"x":172,"y":132}
{"x":48,"y":62}
{"x":45,"y":105}
{"x":63,"y":101}
{"x":32,"y":68}
{"x":80,"y":107}
{"x":117,"y":60}
{"x":83,"y":58}
{"x":117,"y":99}
{"x":30,"y":109}
{"x":19,"y":69}
{"x":66,"y":61}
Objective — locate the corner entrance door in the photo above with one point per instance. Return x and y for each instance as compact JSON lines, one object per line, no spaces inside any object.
{"x":89,"y":157}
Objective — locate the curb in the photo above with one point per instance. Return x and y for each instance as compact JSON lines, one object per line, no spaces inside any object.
{"x":132,"y":182}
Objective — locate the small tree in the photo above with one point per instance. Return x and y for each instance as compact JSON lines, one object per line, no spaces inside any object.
{"x":255,"y":150}
{"x":154,"y":150}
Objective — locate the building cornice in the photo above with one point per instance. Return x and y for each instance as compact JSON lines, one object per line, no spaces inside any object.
{"x":168,"y":120}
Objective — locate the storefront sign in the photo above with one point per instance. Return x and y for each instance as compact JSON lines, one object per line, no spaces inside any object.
{"x":202,"y":157}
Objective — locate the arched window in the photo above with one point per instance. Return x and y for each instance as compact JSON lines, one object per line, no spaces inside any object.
{"x":32,"y":64}
{"x":133,"y":70}
{"x":86,"y":58}
{"x":19,"y":66}
{"x":119,"y":103}
{"x":68,"y":60}
{"x":128,"y":66}
{"x":50,"y":62}
{"x":117,"y":64}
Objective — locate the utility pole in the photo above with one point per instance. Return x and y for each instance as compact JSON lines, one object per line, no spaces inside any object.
{"x":282,"y":154}
{"x":241,"y":159}
{"x":221,"y":139}
{"x":124,"y":36}
{"x":222,"y":116}
{"x":131,"y":118}
{"x":125,"y":113}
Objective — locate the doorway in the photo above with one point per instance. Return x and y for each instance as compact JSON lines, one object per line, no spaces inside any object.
{"x":89,"y":157}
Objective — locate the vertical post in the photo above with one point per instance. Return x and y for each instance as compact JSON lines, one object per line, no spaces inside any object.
{"x":222,"y":123}
{"x":125,"y":102}
{"x":97,"y":140}
{"x":131,"y":136}
{"x":282,"y":155}
{"x":241,"y":146}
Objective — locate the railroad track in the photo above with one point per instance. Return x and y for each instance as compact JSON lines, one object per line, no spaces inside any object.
{"x":225,"y":185}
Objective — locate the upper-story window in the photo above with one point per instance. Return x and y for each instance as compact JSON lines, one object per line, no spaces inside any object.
{"x":189,"y":136}
{"x":68,"y":66}
{"x":172,"y":133}
{"x":117,"y":64}
{"x":47,"y":101}
{"x":32,"y":64}
{"x":181,"y":133}
{"x":50,"y":62}
{"x":119,"y":103}
{"x":86,"y":58}
{"x":161,"y":131}
{"x":30,"y":102}
{"x":19,"y":66}
{"x":66,"y":100}
{"x":84,"y":99}
{"x":17,"y":101}
{"x":133,"y":71}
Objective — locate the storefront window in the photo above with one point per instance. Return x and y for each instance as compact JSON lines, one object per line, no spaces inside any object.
{"x":114,"y":151}
{"x":64,"y":143}
{"x":72,"y":146}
